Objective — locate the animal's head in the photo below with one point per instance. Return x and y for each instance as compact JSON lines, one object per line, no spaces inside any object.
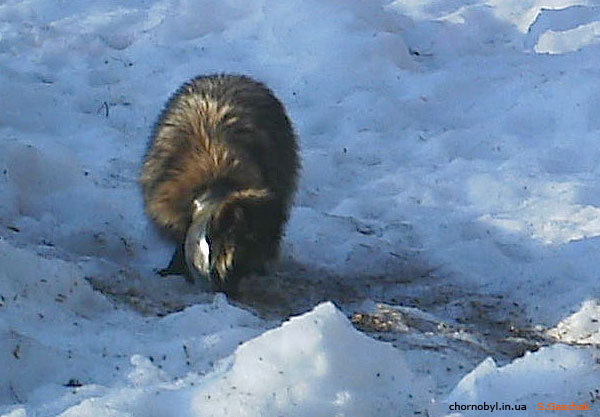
{"x":221,"y":241}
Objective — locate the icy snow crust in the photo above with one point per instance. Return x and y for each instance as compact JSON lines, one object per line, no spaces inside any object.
{"x":449,"y":206}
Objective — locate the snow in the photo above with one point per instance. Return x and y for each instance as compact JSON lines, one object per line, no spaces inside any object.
{"x":308,"y":367}
{"x":553,"y":375}
{"x":448,"y":205}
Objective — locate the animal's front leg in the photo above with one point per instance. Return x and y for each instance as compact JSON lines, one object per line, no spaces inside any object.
{"x":177,"y":266}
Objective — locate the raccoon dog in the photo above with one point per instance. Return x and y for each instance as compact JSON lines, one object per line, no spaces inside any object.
{"x":219,"y":177}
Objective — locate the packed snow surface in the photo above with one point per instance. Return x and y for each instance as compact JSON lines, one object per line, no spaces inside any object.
{"x":449,"y":207}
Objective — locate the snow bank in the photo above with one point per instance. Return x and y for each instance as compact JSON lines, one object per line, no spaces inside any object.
{"x":582,"y":327}
{"x":57,"y":334}
{"x":316,"y":364}
{"x":569,"y":40}
{"x":553,"y":375}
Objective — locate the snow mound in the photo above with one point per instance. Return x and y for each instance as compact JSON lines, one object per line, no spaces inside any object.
{"x":61,"y":342}
{"x":568,"y":29}
{"x":552,"y":42}
{"x":558,"y":374}
{"x":316,"y":364}
{"x":583,"y":327}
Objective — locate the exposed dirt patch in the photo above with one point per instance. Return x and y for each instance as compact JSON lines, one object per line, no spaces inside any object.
{"x":415,"y":311}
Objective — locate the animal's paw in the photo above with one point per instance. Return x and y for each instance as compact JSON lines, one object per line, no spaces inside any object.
{"x":224,"y":264}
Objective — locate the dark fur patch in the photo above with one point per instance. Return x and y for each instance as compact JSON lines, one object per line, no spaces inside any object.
{"x":224,"y":138}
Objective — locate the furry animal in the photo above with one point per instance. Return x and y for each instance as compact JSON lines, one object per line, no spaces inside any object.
{"x":219,"y":177}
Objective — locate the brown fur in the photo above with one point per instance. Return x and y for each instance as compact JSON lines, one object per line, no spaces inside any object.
{"x":226,"y":140}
